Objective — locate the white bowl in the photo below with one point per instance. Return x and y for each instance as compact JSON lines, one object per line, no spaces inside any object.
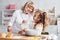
{"x":30,"y":32}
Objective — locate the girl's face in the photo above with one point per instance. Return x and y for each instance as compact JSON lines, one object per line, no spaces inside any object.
{"x":37,"y":17}
{"x":28,"y":9}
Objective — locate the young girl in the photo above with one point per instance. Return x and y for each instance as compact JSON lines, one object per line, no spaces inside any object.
{"x":21,"y":18}
{"x":38,"y":19}
{"x":40,"y":22}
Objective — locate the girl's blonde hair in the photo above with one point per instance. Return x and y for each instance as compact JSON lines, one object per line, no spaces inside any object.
{"x":28,"y":4}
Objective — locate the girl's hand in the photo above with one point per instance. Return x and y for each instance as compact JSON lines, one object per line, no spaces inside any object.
{"x":21,"y":31}
{"x":24,"y":21}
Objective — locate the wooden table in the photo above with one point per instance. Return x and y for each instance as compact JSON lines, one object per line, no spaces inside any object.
{"x":25,"y":38}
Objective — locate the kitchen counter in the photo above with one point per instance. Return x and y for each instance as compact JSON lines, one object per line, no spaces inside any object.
{"x":50,"y":29}
{"x":42,"y":37}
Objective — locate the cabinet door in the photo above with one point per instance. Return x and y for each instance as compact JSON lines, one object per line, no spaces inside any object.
{"x":58,"y":25}
{"x":58,"y":36}
{"x":52,"y":29}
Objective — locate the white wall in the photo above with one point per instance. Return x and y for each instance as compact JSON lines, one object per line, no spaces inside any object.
{"x":47,"y":4}
{"x":42,"y":4}
{"x":57,"y":11}
{"x":18,"y":3}
{"x":0,"y":4}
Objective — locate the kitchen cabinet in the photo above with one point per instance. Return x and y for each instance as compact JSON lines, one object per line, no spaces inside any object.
{"x":52,"y":19}
{"x":58,"y":36}
{"x":6,"y":15}
{"x":52,"y":29}
{"x":58,"y":25}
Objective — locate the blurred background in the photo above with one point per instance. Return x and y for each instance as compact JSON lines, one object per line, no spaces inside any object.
{"x":52,"y":7}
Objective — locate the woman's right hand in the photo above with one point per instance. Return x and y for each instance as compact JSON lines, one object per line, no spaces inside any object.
{"x":9,"y":29}
{"x":20,"y":32}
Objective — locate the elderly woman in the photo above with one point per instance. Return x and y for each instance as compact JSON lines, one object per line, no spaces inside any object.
{"x":21,"y":18}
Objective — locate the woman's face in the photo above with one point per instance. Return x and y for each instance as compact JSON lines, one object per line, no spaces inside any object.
{"x":36,"y":17}
{"x":28,"y":9}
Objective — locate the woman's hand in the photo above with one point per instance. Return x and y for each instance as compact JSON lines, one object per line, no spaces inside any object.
{"x":9,"y":29}
{"x":20,"y":32}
